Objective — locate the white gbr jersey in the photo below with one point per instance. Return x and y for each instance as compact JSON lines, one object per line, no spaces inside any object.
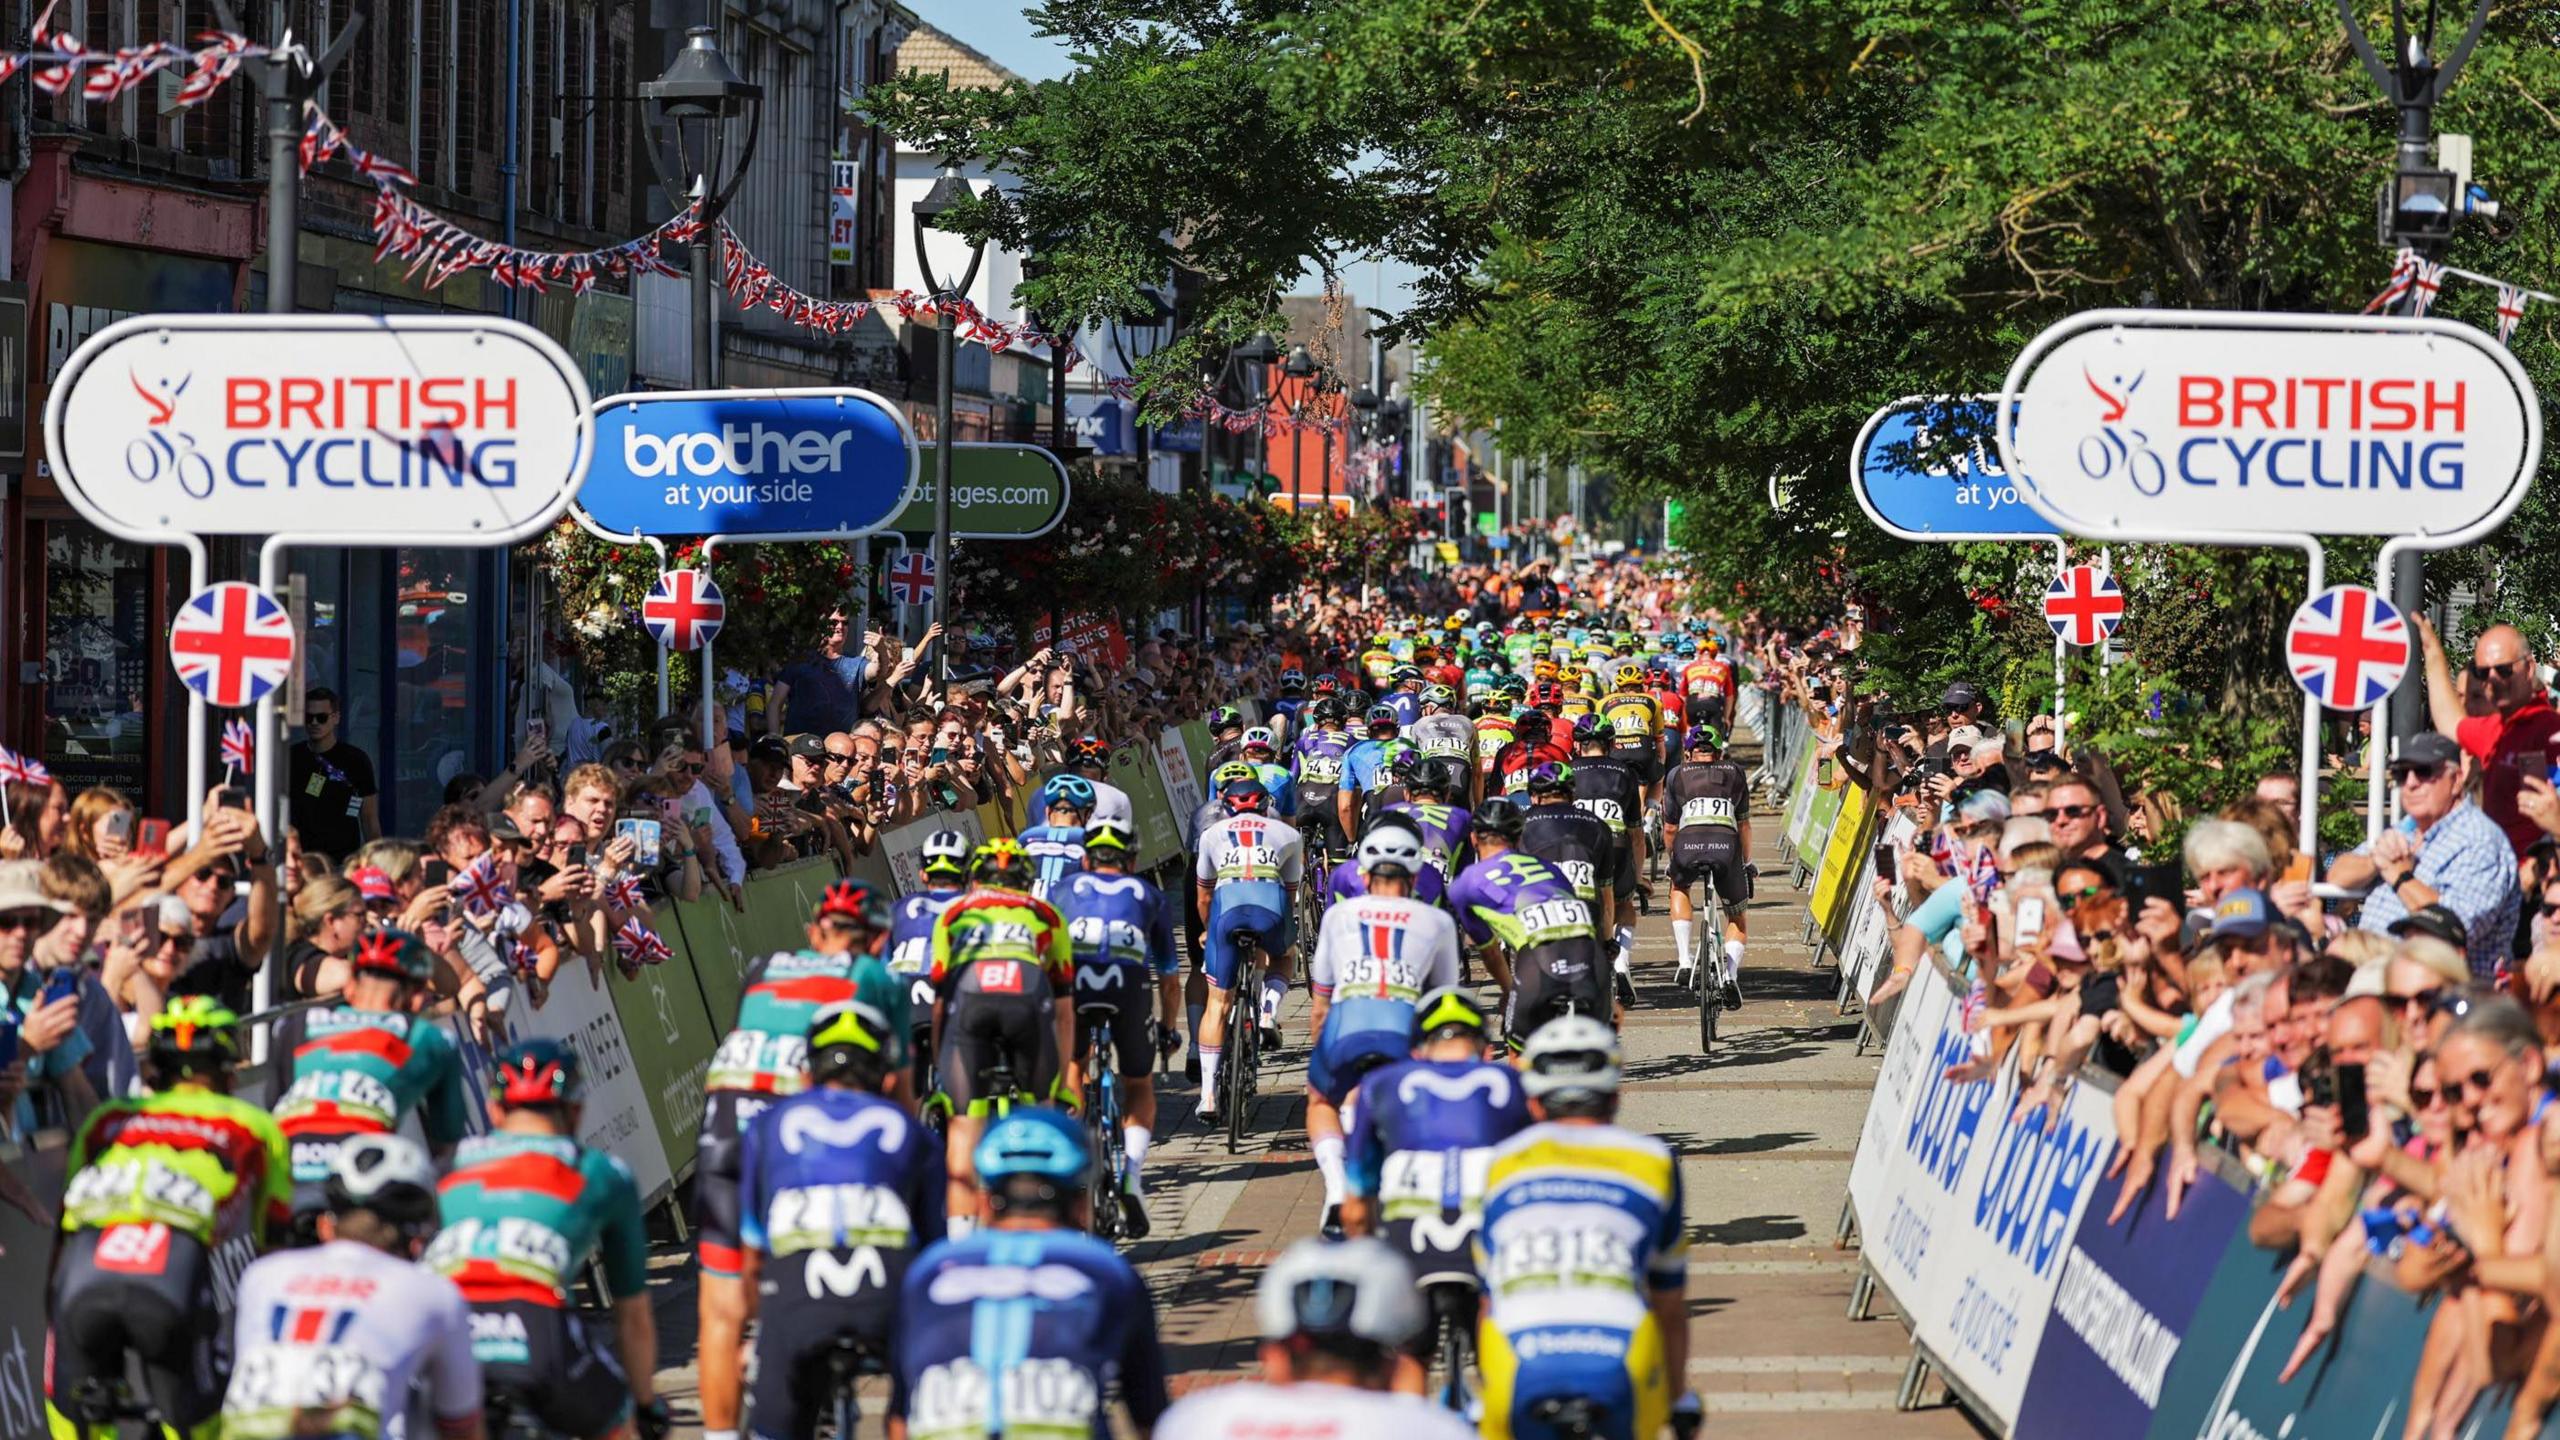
{"x":1384,"y":947}
{"x":1256,"y":1411}
{"x":1251,"y":848}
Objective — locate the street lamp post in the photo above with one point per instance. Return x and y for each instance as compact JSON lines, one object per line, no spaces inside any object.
{"x":949,"y":193}
{"x":1301,"y":368}
{"x":1150,"y":313}
{"x":696,"y":98}
{"x":1364,"y":405}
{"x":1256,"y":356}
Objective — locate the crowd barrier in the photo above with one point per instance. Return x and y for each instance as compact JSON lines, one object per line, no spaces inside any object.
{"x":1987,"y":1230}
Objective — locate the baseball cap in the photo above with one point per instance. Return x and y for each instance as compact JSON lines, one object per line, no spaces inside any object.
{"x":372,"y":882}
{"x":2425,"y":751}
{"x":21,"y":889}
{"x":805,"y":746}
{"x":1981,"y":806}
{"x":2441,"y":921}
{"x":1967,"y":736}
{"x":2243,"y":913}
{"x":1963,"y":692}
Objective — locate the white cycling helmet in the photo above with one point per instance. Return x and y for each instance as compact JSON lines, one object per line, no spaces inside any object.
{"x":1571,"y":1053}
{"x":947,"y":850}
{"x":389,"y":1175}
{"x":1360,"y":1289}
{"x":1390,"y":847}
{"x":1260,"y":735}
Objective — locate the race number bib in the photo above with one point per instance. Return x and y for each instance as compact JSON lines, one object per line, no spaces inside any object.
{"x":1554,"y":920}
{"x":1040,"y":1399}
{"x":1581,"y":873}
{"x":1316,"y":767}
{"x":1707,"y":810}
{"x":1562,"y":1257}
{"x":1094,"y":935}
{"x":748,"y":1059}
{"x":1607,"y":811}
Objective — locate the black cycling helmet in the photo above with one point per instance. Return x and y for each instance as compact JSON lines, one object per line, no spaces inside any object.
{"x":1440,"y":775}
{"x":1326,"y":711}
{"x":1383,"y":714}
{"x":1501,"y":815}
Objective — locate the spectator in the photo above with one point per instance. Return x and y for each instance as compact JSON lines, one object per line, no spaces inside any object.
{"x":234,"y":931}
{"x":44,"y":1084}
{"x":328,"y":918}
{"x":39,"y":819}
{"x":76,"y":882}
{"x":2444,"y":849}
{"x":329,"y":783}
{"x":2501,"y":717}
{"x":152,"y":939}
{"x":102,"y":831}
{"x":823,"y":692}
{"x":2080,"y":825}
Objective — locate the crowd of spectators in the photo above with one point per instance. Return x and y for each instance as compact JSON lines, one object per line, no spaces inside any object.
{"x":2360,"y":1037}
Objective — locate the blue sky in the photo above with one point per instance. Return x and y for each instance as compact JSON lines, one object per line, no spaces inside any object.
{"x":1000,"y":30}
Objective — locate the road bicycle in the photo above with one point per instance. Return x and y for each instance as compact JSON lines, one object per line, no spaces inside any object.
{"x":1237,"y":1079}
{"x":1708,"y":974}
{"x":1103,"y":1119}
{"x":849,"y":1361}
{"x":1453,"y":1346}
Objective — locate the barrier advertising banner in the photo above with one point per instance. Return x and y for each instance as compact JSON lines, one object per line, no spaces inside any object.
{"x":1967,"y":1209}
{"x":671,"y":1037}
{"x":616,"y":1116}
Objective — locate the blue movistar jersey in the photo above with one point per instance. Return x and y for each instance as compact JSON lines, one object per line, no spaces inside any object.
{"x":1118,"y":921}
{"x":1282,"y":785}
{"x":839,"y":1170}
{"x":1421,"y":1130}
{"x":911,"y":937}
{"x":1024,"y":1332}
{"x":1056,"y":851}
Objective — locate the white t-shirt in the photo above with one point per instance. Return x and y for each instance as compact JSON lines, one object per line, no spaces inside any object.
{"x":346,"y":1325}
{"x":733,"y":861}
{"x":1257,"y":1411}
{"x":1110,"y":802}
{"x":2210,"y":1026}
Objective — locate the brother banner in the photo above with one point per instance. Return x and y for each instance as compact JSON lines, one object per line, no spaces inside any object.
{"x":749,"y":462}
{"x":1928,"y":468}
{"x":2145,"y":424}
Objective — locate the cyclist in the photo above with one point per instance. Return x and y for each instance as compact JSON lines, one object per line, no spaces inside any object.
{"x":1421,"y":1130}
{"x":1374,"y":957}
{"x":852,"y":925}
{"x":1090,"y":758}
{"x":1364,"y":765}
{"x":1284,"y":708}
{"x":839,"y":1190}
{"x":1706,"y":808}
{"x":1633,"y":720}
{"x":764,"y":1058}
{"x":1317,"y":761}
{"x":1536,"y":934}
{"x":1609,"y":791}
{"x":1336,"y":1322}
{"x":1495,"y":730}
{"x":1057,"y":848}
{"x":1584,"y":1253}
{"x":1707,"y":681}
{"x":525,"y":1208}
{"x":1443,"y":730}
{"x":1121,"y":929}
{"x":1345,"y":882}
{"x":1000,"y":960}
{"x":1249,"y":869}
{"x":1404,"y":695}
{"x":361,"y":1066}
{"x":155,"y":1184}
{"x":1024,"y":1327}
{"x":1226,"y":736}
{"x":1395,"y":782}
{"x":1433,"y":803}
{"x":1582,"y":846}
{"x":1537,"y":745}
{"x":943,"y":864}
{"x":329,"y":1340}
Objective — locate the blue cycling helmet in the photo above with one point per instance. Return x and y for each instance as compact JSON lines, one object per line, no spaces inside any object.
{"x":1073,"y":791}
{"x":1035,"y":1142}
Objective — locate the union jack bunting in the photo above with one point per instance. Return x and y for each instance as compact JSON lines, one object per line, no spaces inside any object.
{"x":2511,"y":303}
{"x":2428,"y":285}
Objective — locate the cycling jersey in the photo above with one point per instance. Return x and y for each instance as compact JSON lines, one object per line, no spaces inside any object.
{"x":1347,"y":883}
{"x":523,"y":1212}
{"x":1000,"y":925}
{"x":1443,"y":829}
{"x":1364,"y":765}
{"x":360,"y":1072}
{"x":1608,"y":791}
{"x":1251,"y":863}
{"x":1254,"y":1410}
{"x":1705,"y":676}
{"x":1374,"y":957}
{"x":1421,"y":1136}
{"x":1580,"y":847}
{"x":329,"y":1341}
{"x":1111,"y":804}
{"x":1494,"y":734}
{"x":1700,"y":794}
{"x":1377,"y":665}
{"x":911,"y":932}
{"x":1444,"y":734}
{"x":1583,"y":1224}
{"x":1024,"y":1333}
{"x":1056,"y":852}
{"x":1118,"y":922}
{"x":1317,"y":760}
{"x":1675,"y":706}
{"x":1556,"y":961}
{"x":767,"y":1051}
{"x":1511,"y":767}
{"x":1406,"y":704}
{"x":210,"y":1166}
{"x":1282,"y":785}
{"x":1001,"y":959}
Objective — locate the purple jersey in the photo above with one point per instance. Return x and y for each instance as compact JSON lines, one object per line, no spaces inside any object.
{"x":1518,"y":899}
{"x":1345,"y":884}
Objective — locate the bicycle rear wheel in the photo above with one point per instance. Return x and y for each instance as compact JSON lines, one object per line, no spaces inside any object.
{"x":1244,"y":1050}
{"x":1710,"y":968}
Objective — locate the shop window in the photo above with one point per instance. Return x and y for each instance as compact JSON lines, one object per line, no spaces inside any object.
{"x":97,"y":654}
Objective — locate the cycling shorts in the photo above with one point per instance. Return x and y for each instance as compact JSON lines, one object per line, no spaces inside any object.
{"x":1132,"y":1002}
{"x":1342,"y":1057}
{"x":1265,"y":922}
{"x":800,"y":1318}
{"x":1709,"y":852}
{"x":548,"y":1364}
{"x":1642,"y":761}
{"x":1707,"y":708}
{"x":145,"y":1291}
{"x":1545,"y":978}
{"x":1320,"y":823}
{"x":726,"y":1114}
{"x":1618,"y":1372}
{"x":1439,"y":1249}
{"x":981,"y":1027}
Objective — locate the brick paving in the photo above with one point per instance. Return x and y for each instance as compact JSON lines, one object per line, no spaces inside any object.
{"x":1765,"y":1131}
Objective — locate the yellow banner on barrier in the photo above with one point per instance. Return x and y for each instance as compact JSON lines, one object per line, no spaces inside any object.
{"x":1839,"y":867}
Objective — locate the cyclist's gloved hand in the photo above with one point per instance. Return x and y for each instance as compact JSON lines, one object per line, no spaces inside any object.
{"x":1064,"y":1098}
{"x":1688,"y":1415}
{"x":654,"y":1419}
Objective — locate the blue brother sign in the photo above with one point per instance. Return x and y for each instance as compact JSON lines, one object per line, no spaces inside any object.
{"x":748,"y":462}
{"x":1915,"y":484}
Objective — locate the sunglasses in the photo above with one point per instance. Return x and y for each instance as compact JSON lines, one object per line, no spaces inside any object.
{"x":2425,"y":1096}
{"x":2084,"y":893}
{"x":28,"y":920}
{"x":2423,"y":774}
{"x":2421,"y":997}
{"x":319,"y":717}
{"x":2073,"y":812}
{"x":2476,"y":1083}
{"x":2495,"y":672}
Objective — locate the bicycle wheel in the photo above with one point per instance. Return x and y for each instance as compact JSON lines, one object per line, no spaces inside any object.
{"x":1710,"y":986}
{"x":1244,"y":1046}
{"x":1456,"y":1353}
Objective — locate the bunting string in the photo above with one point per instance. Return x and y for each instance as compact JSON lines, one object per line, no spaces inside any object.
{"x":56,"y":60}
{"x":2425,"y":280}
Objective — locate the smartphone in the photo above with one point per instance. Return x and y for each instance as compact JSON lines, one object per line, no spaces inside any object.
{"x":120,"y":824}
{"x":537,"y":728}
{"x":60,"y":982}
{"x":2537,"y":766}
{"x":233,"y":797}
{"x":153,"y":839}
{"x":577,"y":856}
{"x":2167,"y":881}
{"x":2030,"y":917}
{"x":941,"y":755}
{"x":2355,"y":1116}
{"x":435,"y":872}
{"x":644,"y":840}
{"x":1884,"y":859}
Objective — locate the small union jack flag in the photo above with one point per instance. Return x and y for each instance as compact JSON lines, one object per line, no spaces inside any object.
{"x":2511,"y":301}
{"x":239,"y":746}
{"x":638,"y":945}
{"x":523,"y":959}
{"x":622,"y":892}
{"x":480,"y":888}
{"x":22,"y":769}
{"x":2428,"y":285}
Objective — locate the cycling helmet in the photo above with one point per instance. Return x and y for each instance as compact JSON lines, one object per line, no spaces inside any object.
{"x":1441,"y":775}
{"x":1292,"y":680}
{"x":1036,"y":1143}
{"x":1233,"y":770}
{"x":1327,"y":683}
{"x":1001,"y":862}
{"x":1261,"y":738}
{"x":1571,"y":1054}
{"x":1104,"y":835}
{"x":389,"y":1175}
{"x":1586,"y":730}
{"x":540,"y":1071}
{"x":1245,"y":797}
{"x":1528,"y":722}
{"x":1704,"y":737}
{"x":1391,"y":848}
{"x":1440,"y":695}
{"x":395,"y":953}
{"x":1400,"y":760}
{"x":1451,"y":1007}
{"x":1383,"y":715}
{"x":1499,"y":815}
{"x":1227,"y":718}
{"x":194,"y":1035}
{"x":1515,"y":683}
{"x":1073,"y":791}
{"x":1545,"y":693}
{"x":847,"y":1042}
{"x":946,"y":854}
{"x":1403,"y":673}
{"x":1326,"y":711}
{"x":1086,"y":750}
{"x":857,"y":901}
{"x":1358,"y":1291}
{"x":1550,"y":776}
